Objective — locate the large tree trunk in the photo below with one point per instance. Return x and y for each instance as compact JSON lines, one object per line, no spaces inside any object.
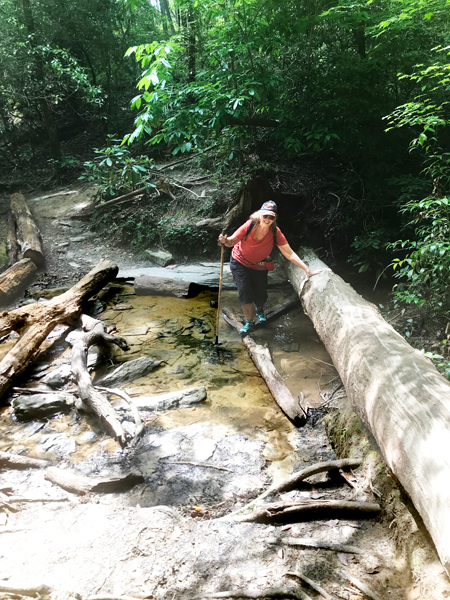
{"x":36,"y":321}
{"x":395,"y":390}
{"x":15,"y":278}
{"x":27,"y":231}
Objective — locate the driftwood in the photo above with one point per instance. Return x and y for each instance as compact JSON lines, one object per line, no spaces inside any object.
{"x":268,"y":593}
{"x":92,"y":332}
{"x":36,"y":321}
{"x":77,"y":484}
{"x":297,"y":478}
{"x":28,"y":235}
{"x":260,"y":355}
{"x":280,"y":510}
{"x":359,"y":584}
{"x":315,"y":586}
{"x":11,"y":241}
{"x":15,"y":461}
{"x":396,"y":391}
{"x":14,"y":279}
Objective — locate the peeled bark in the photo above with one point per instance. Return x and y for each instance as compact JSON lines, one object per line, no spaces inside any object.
{"x":15,"y":278}
{"x":27,"y":232}
{"x":36,"y":321}
{"x":396,"y":391}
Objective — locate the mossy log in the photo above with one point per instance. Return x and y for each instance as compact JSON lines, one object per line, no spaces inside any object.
{"x":395,"y":390}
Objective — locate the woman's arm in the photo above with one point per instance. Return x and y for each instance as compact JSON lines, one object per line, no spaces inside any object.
{"x":229,"y":242}
{"x":287,"y":251}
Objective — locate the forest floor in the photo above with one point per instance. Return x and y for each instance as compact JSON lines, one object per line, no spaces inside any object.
{"x":165,"y":538}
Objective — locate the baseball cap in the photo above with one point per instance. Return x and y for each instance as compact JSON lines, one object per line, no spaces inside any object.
{"x":269,"y":208}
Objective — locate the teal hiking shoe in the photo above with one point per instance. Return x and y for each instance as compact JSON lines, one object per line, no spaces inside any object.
{"x":261,"y":315}
{"x":249,"y":326}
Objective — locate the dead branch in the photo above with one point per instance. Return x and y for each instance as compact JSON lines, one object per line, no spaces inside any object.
{"x":14,"y":279}
{"x":18,"y":500}
{"x":192,"y":464}
{"x":77,"y":484}
{"x":90,"y":332}
{"x":269,"y":593}
{"x":362,"y":586}
{"x":313,"y":544}
{"x":297,"y":477}
{"x":131,"y":404}
{"x":315,"y":586}
{"x":16,"y":461}
{"x":283,"y":509}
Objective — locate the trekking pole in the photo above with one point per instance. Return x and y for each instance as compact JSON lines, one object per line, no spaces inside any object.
{"x":220,"y":291}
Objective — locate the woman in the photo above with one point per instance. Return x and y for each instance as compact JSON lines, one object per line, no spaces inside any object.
{"x":252,"y":243}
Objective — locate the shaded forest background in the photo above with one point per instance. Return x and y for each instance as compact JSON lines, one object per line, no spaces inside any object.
{"x":356,"y":92}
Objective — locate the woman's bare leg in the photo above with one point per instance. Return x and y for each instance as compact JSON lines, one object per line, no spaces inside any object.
{"x":249,"y":311}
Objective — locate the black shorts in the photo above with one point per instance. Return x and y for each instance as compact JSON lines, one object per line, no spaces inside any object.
{"x":251,"y":283}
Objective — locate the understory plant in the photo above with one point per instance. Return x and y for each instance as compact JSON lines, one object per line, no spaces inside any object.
{"x":116,"y":171}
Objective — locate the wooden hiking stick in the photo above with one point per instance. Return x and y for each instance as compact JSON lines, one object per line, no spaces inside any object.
{"x":220,"y":291}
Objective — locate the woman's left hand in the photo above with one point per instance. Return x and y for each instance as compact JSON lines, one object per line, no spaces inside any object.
{"x":311,"y":273}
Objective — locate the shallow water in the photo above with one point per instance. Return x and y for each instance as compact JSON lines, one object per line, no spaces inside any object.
{"x":181,"y":332}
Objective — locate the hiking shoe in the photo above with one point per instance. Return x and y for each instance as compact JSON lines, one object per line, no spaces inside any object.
{"x":261,"y":315}
{"x":249,"y":326}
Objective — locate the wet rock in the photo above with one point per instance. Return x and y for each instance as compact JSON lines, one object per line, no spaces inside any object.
{"x":172,"y":326}
{"x":171,"y":400}
{"x":58,"y":443}
{"x":290,"y":347}
{"x":122,"y":307}
{"x":161,"y":286}
{"x":135,"y":331}
{"x":175,"y":464}
{"x":38,"y":406}
{"x":129,"y":371}
{"x":94,"y":307}
{"x":58,"y":377}
{"x":160,"y":257}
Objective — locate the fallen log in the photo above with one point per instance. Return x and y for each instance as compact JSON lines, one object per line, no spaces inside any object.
{"x":16,"y":461}
{"x":36,"y":321}
{"x":11,"y":241}
{"x":14,"y":279}
{"x":27,"y":232}
{"x":91,"y":332}
{"x":260,"y":355}
{"x":78,"y":484}
{"x":395,"y":390}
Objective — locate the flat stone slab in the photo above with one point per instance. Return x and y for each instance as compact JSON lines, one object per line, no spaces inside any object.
{"x":38,"y":406}
{"x":161,"y":286}
{"x":129,"y":371}
{"x":171,"y":400}
{"x":135,"y":331}
{"x":205,"y":274}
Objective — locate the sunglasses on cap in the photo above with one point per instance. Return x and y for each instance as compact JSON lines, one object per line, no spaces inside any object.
{"x":270,"y":217}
